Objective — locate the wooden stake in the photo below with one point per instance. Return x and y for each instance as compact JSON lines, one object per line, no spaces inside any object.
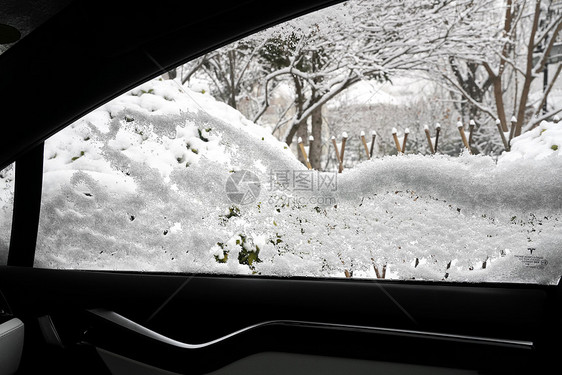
{"x":374,"y":134}
{"x":502,"y":135}
{"x":343,"y":141}
{"x":437,"y":130}
{"x":336,"y":148}
{"x":406,"y":133}
{"x":365,"y":145}
{"x":396,"y":141}
{"x":301,"y":145}
{"x":428,"y":136}
{"x":463,"y":135}
{"x":471,"y":126}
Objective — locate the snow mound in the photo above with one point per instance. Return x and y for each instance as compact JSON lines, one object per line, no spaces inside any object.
{"x":539,"y":143}
{"x":143,"y":183}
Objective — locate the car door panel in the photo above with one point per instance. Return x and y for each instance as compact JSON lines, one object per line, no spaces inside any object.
{"x":189,"y":323}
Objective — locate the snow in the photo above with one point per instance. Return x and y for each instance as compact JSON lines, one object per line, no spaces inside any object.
{"x":394,"y":131}
{"x":7,"y":180}
{"x":542,"y":142}
{"x":438,"y":126}
{"x":344,"y":135}
{"x":140,"y":184}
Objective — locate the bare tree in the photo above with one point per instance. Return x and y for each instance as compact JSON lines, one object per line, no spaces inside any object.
{"x":493,"y":71}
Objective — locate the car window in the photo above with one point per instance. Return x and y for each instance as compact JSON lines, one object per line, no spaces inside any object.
{"x":346,"y":143}
{"x":7,"y":180}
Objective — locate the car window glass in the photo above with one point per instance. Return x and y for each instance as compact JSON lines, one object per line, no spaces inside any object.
{"x":7,"y":179}
{"x":347,"y":143}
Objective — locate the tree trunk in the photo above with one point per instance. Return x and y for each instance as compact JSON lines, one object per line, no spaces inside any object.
{"x":171,"y":74}
{"x":232,"y":80}
{"x":302,"y":132}
{"x":315,"y":153}
{"x":498,"y":96}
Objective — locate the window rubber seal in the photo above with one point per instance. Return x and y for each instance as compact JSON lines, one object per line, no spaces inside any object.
{"x":27,"y":207}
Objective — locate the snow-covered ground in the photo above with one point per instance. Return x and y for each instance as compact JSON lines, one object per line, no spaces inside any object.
{"x":139,"y":184}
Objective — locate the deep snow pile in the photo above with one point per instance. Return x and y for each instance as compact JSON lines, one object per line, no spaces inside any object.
{"x":140,"y":184}
{"x":541,"y":142}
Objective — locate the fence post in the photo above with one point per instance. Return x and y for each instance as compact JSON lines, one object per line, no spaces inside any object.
{"x":305,"y":156}
{"x":428,"y":136}
{"x":365,"y":144}
{"x":343,"y":141}
{"x":396,"y":141}
{"x":374,"y":136}
{"x":337,"y":151}
{"x":463,"y":135}
{"x":471,"y":126}
{"x":437,"y":130}
{"x":406,"y":133}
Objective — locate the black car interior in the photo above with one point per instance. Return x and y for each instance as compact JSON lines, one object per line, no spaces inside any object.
{"x":96,"y":322}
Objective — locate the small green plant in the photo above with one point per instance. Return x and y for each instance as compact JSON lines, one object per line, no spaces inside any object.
{"x":78,"y":157}
{"x":554,"y":147}
{"x":248,"y":255}
{"x":194,"y":150}
{"x":233,"y":211}
{"x":224,"y":259}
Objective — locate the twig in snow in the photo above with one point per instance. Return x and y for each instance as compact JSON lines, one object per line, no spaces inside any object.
{"x":305,"y":156}
{"x":365,"y":145}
